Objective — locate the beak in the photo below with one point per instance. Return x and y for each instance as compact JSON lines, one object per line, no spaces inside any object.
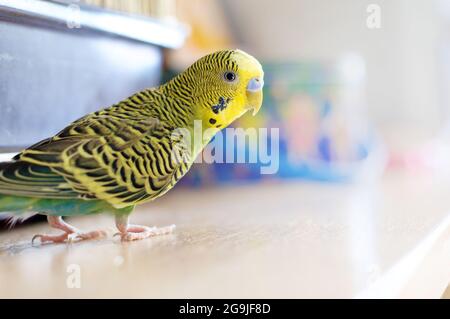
{"x":255,"y":84}
{"x":255,"y":94}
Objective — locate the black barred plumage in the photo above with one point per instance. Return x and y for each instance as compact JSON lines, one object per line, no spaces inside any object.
{"x":97,"y":154}
{"x":129,"y":153}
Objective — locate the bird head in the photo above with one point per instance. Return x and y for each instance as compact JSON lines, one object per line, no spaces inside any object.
{"x":225,"y":85}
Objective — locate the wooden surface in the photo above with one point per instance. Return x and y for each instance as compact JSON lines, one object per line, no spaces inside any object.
{"x":279,"y":240}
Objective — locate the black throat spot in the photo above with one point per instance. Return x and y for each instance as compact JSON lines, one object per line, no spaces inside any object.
{"x":221,"y":105}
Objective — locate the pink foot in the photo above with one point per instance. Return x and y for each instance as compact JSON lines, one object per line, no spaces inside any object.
{"x":71,"y":234}
{"x":95,"y":234}
{"x":50,"y":238}
{"x":69,"y":237}
{"x":136,"y":232}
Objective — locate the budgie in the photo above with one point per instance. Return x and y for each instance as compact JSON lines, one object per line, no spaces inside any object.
{"x":113,"y":159}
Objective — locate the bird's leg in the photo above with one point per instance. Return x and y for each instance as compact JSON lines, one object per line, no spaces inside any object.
{"x":56,"y":222}
{"x":130,"y":232}
{"x":70,"y":233}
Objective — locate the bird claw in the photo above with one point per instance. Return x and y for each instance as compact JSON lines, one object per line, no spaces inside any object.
{"x":38,"y":236}
{"x":69,"y":237}
{"x":49,"y":238}
{"x":96,"y":234}
{"x":142,"y":232}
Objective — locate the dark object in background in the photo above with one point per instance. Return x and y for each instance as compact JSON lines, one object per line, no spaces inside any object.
{"x":51,"y":74}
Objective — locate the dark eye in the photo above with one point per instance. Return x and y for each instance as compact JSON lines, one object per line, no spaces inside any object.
{"x":230,"y":76}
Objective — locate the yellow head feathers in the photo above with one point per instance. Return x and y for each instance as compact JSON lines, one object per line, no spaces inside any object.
{"x":223,"y":85}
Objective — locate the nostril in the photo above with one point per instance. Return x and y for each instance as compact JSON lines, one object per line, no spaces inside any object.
{"x":255,"y":84}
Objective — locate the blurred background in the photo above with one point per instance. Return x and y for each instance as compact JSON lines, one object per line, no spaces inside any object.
{"x":352,"y":86}
{"x":358,"y":89}
{"x":341,"y":89}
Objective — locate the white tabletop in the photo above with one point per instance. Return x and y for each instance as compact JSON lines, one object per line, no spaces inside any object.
{"x":291,"y":239}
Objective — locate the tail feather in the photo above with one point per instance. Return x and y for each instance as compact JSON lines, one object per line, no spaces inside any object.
{"x":15,"y":210}
{"x":19,"y":178}
{"x":12,"y":210}
{"x":13,"y":219}
{"x":27,"y":189}
{"x":24,"y":188}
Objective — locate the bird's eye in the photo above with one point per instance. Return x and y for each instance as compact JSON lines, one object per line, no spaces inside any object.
{"x":229,"y":76}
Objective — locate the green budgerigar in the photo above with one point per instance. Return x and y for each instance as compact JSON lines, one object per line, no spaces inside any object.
{"x":113,"y":159}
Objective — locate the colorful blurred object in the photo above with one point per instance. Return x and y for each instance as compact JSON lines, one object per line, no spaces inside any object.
{"x":319,"y":109}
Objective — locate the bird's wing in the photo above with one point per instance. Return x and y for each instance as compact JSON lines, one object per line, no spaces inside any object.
{"x":25,"y":179}
{"x":118,"y":157}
